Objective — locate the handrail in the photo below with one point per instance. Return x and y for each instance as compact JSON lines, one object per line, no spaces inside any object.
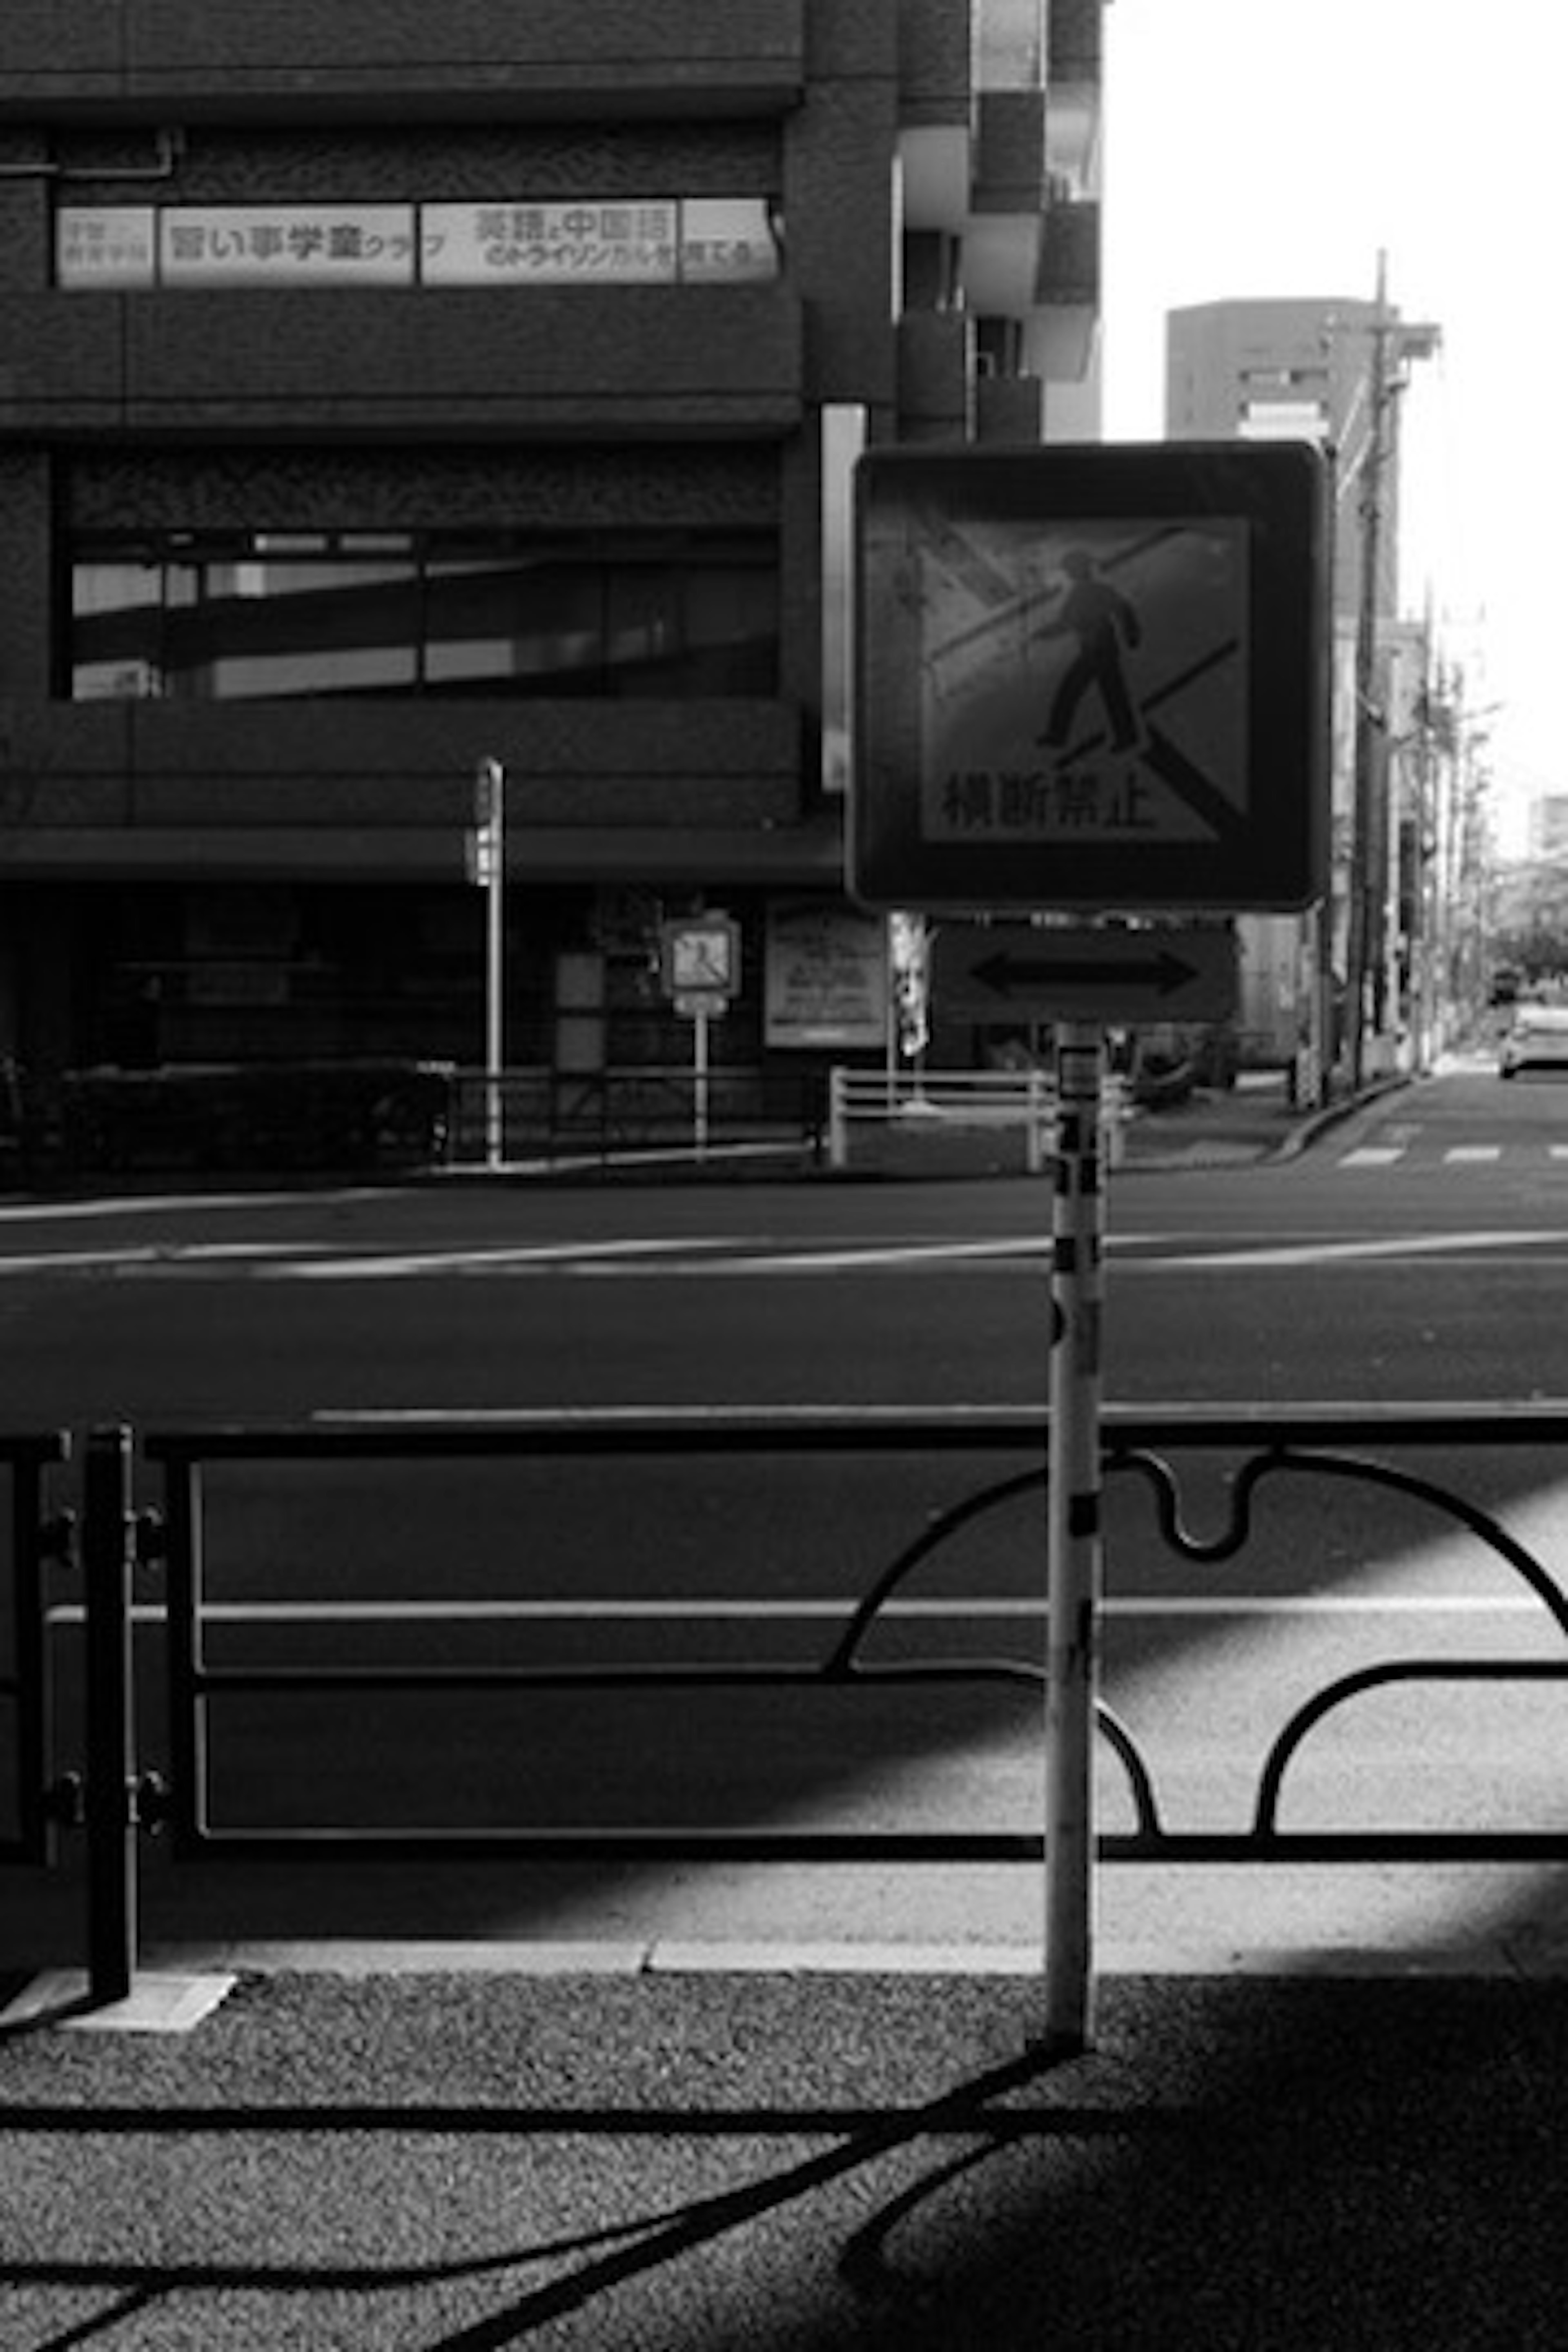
{"x":928,"y":1102}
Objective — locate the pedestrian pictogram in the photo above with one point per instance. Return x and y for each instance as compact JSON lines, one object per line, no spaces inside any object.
{"x":701,"y":955}
{"x":1091,"y":678}
{"x":1104,"y":627}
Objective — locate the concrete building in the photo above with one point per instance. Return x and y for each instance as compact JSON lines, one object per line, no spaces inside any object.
{"x":391,"y":389}
{"x":1309,"y":369}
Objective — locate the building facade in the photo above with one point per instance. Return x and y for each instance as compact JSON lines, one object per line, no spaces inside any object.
{"x":389,"y":391}
{"x":1330,"y":371}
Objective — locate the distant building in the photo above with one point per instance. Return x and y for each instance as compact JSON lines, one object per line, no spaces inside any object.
{"x":1549,"y":825}
{"x":1304,"y":368}
{"x":1289,"y":370}
{"x":374,"y":406}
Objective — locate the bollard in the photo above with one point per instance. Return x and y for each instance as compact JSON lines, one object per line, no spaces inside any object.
{"x":109,"y":1807}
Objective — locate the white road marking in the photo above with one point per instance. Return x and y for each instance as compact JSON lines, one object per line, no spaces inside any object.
{"x":528,"y":1258}
{"x":1396,"y":1247}
{"x":1473,"y":1154}
{"x":591,"y":1611}
{"x":1373,"y":1155}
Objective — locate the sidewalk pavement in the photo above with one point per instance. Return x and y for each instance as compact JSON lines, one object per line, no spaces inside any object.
{"x":1214,"y":1126}
{"x":1228,"y":1126}
{"x":458,"y":2162}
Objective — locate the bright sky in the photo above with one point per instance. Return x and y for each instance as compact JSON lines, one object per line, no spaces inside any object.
{"x":1271,"y":147}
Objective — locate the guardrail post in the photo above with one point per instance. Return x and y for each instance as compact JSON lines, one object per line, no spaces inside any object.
{"x":110,"y":1813}
{"x":837,"y":1122}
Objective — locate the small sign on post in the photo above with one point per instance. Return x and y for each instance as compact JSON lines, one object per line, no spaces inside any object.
{"x":699,"y":962}
{"x":488,"y":867}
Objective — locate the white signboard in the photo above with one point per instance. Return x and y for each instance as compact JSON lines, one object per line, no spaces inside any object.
{"x":106,"y":246}
{"x":287,"y":245}
{"x":549,"y":245}
{"x":825,"y":972}
{"x":726,"y":239}
{"x":663,"y":240}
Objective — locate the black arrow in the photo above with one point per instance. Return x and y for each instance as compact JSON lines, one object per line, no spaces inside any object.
{"x":1006,"y":974}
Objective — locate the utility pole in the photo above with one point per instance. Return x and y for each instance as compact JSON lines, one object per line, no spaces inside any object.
{"x":1392,"y":344}
{"x":1368,"y":866}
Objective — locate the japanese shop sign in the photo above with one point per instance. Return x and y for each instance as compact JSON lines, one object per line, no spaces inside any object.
{"x":287,"y":245}
{"x":1091,"y":677}
{"x":632,"y":241}
{"x":697,"y":240}
{"x":109,"y":246}
{"x":572,"y":243}
{"x":726,"y":239}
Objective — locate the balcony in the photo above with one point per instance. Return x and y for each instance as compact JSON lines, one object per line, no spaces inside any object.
{"x":1074,"y":80}
{"x":1011,"y":41}
{"x":1076,"y":41}
{"x":1063,"y":330}
{"x":1010,"y":172}
{"x":936,"y":375}
{"x":558,"y":362}
{"x":188,"y":60}
{"x":1009,"y":409}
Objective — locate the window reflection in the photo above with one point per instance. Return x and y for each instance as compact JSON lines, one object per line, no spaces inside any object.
{"x":273,"y":615}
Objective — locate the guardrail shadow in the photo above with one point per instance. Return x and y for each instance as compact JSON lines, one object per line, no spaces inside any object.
{"x":789,"y":2163}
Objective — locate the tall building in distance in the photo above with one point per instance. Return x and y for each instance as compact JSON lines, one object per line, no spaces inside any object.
{"x":390,"y":392}
{"x":1330,"y":371}
{"x":1291,"y":370}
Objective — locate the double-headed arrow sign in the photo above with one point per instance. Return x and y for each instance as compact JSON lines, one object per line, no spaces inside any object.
{"x":1011,"y":971}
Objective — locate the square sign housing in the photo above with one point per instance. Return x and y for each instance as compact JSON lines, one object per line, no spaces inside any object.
{"x":1091,"y":677}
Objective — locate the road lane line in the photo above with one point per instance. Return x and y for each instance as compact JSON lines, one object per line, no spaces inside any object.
{"x":1329,"y":1254}
{"x":585,"y":1609}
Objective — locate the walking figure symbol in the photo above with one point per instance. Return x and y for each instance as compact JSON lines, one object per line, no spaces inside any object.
{"x":1106,"y":627}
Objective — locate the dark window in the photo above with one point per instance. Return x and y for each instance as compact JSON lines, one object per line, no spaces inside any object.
{"x":256,"y":616}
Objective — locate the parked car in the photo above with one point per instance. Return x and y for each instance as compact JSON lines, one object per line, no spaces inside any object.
{"x":1536,"y":1039}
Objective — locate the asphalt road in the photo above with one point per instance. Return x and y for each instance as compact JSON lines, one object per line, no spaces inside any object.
{"x":1392,"y":1261}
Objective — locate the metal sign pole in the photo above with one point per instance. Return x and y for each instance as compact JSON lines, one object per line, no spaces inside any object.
{"x":493,"y":790}
{"x":699,"y":1056}
{"x":1075,"y":1539}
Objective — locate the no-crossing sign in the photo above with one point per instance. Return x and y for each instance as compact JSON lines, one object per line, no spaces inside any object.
{"x":1091,"y":677}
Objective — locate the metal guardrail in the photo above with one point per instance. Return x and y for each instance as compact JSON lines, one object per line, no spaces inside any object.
{"x":1271,"y":1442}
{"x":36,"y":1535}
{"x":1256,"y":1445}
{"x":617,"y":1113}
{"x":926,"y":1104}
